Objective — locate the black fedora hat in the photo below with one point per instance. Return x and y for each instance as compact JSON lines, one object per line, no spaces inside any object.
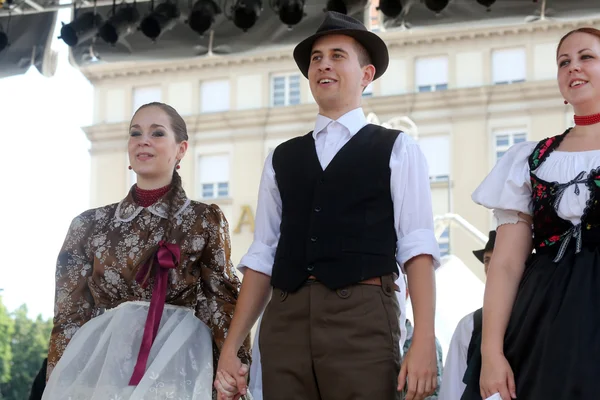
{"x":340,"y":24}
{"x":489,"y":246}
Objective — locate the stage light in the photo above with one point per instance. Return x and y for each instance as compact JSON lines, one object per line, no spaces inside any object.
{"x":336,"y":5}
{"x":436,"y":5}
{"x":245,"y":13}
{"x":160,"y":20}
{"x":486,"y":3}
{"x":390,"y":8}
{"x":3,"y":41}
{"x":123,"y":22}
{"x":203,"y":15}
{"x":82,"y":28}
{"x":290,"y":11}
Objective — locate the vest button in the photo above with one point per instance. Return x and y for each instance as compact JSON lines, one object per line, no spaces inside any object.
{"x":313,"y":239}
{"x":310,"y":267}
{"x":317,"y":209}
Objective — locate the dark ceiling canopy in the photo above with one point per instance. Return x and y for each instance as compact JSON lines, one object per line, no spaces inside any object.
{"x":32,"y":24}
{"x":28,"y":43}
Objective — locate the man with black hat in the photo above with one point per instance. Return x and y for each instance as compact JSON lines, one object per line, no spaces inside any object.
{"x":464,"y":337}
{"x":338,"y":210}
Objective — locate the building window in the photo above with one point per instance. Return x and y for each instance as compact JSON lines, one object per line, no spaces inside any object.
{"x":285,"y":90}
{"x":214,"y":96}
{"x":444,"y":242}
{"x":368,"y":92}
{"x":213,"y":176}
{"x":437,"y":153}
{"x":215,"y":190}
{"x":508,"y":66}
{"x":431,"y":74}
{"x":145,"y":95}
{"x":504,"y":140}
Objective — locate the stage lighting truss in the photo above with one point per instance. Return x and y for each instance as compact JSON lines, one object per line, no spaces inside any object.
{"x":161,"y":19}
{"x":245,"y":13}
{"x":436,"y":5}
{"x":290,"y":12}
{"x":336,"y":5}
{"x":123,"y":21}
{"x":202,"y":15}
{"x":4,"y":35}
{"x":390,"y":8}
{"x":84,"y":26}
{"x":487,"y":3}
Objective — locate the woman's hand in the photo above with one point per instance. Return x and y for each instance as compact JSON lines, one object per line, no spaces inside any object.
{"x":497,"y":377}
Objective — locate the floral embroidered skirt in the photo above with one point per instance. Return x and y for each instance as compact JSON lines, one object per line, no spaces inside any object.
{"x":552,"y":341}
{"x":99,"y":360}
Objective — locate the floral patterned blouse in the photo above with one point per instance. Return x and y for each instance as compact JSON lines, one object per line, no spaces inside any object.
{"x":105,"y":248}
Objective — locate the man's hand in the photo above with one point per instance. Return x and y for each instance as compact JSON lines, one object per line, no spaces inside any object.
{"x":231,"y":380}
{"x":420,"y":367}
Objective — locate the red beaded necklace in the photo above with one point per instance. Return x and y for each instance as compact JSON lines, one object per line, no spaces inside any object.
{"x":587,"y":119}
{"x":146,"y":198}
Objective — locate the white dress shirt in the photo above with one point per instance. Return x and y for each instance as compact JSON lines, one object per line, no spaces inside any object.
{"x":411,"y":197}
{"x":452,"y":386}
{"x":409,"y":186}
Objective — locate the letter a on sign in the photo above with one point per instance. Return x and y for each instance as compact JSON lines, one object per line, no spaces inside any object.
{"x":247,"y":218}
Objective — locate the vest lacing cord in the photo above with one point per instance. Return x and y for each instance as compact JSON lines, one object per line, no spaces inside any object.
{"x":573,"y":232}
{"x":560,"y":188}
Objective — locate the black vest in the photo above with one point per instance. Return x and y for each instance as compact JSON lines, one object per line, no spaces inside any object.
{"x":337,"y":224}
{"x":476,"y":334}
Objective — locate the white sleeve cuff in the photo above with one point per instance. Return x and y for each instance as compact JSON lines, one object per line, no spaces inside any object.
{"x":259,"y":258}
{"x":506,"y":217}
{"x":416,"y":243}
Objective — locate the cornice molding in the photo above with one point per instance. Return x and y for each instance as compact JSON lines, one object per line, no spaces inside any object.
{"x":97,"y":73}
{"x":394,"y":39}
{"x":452,"y":33}
{"x":527,"y":98}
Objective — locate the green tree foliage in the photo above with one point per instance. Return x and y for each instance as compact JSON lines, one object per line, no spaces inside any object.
{"x":28,"y":346}
{"x":6,"y":333}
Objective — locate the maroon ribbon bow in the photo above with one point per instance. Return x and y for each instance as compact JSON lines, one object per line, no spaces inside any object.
{"x":167,"y":257}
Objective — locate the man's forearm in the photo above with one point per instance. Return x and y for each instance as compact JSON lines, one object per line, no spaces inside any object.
{"x":254,"y":295}
{"x":421,"y":287}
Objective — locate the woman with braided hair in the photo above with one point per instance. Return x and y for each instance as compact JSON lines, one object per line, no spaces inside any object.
{"x":145,"y":288}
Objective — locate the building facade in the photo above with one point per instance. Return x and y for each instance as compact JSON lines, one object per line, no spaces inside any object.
{"x":466,"y":93}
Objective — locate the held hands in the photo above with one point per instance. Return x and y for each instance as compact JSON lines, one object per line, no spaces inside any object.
{"x":420,"y":367}
{"x":497,"y":377}
{"x":231,"y":377}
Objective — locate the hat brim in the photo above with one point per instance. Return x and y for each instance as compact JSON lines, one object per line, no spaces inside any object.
{"x":479,"y":254}
{"x":374,"y":45}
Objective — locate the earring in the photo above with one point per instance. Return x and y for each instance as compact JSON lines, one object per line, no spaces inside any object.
{"x":130,"y":167}
{"x":566,"y":102}
{"x":177,"y":167}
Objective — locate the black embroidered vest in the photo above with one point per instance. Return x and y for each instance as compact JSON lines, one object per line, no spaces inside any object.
{"x":337,"y":224}
{"x":550,"y":232}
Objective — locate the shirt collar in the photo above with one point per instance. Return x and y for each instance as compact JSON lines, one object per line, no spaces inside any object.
{"x":128,"y":209}
{"x":353,"y":120}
